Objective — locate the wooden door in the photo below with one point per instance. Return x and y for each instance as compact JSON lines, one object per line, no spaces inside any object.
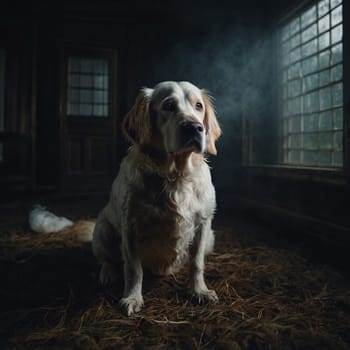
{"x":88,"y":120}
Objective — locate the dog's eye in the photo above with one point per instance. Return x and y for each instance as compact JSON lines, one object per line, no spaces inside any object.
{"x":199,"y":106}
{"x":169,"y":106}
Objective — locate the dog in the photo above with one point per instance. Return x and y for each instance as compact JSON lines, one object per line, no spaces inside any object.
{"x":162,"y":201}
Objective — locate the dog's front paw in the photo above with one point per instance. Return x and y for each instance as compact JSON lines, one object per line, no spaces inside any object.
{"x":131,"y":304}
{"x":203,"y":296}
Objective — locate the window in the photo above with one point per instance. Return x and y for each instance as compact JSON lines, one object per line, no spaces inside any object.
{"x":311,"y":71}
{"x":2,"y":96}
{"x":87,"y":87}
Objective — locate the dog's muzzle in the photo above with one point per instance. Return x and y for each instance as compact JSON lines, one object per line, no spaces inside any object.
{"x":192,"y":134}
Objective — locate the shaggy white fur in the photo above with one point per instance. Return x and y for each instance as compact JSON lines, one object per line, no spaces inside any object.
{"x":43,"y":221}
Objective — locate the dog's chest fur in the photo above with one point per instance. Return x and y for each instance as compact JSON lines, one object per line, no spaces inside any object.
{"x":164,"y":215}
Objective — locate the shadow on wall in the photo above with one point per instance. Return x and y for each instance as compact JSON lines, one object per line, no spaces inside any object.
{"x":234,"y":62}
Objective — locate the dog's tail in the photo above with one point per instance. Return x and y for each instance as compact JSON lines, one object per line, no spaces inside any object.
{"x":43,"y":221}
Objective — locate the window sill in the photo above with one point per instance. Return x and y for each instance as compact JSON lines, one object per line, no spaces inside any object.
{"x":336,"y":176}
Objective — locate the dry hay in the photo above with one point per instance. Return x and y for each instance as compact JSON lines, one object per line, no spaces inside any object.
{"x":269,"y":299}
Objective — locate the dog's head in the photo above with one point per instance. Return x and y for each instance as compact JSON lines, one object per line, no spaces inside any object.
{"x":173,"y":117}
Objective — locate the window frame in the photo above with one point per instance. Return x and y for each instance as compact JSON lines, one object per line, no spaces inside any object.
{"x":328,"y":175}
{"x":297,"y":11}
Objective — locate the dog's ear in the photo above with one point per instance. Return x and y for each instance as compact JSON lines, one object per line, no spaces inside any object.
{"x":210,"y":122}
{"x":136,"y":125}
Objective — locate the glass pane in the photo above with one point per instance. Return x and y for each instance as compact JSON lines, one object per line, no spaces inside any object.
{"x":338,"y":140}
{"x":337,"y":73}
{"x":295,"y":141}
{"x":308,"y":17}
{"x":323,"y":7}
{"x":295,"y":26}
{"x":309,"y":65}
{"x":309,"y":33}
{"x":73,"y":109}
{"x":99,"y":96}
{"x":98,"y":110}
{"x":325,"y":157}
{"x":310,"y":141}
{"x":85,"y":96}
{"x":86,"y":81}
{"x":337,"y":34}
{"x":324,"y":59}
{"x":310,"y":123}
{"x":294,"y":88}
{"x":295,"y":55}
{"x":295,"y":124}
{"x":326,"y":121}
{"x":338,"y":118}
{"x":310,"y":157}
{"x":324,"y":78}
{"x":309,"y":48}
{"x":337,"y":94}
{"x":325,"y":98}
{"x":326,"y":140}
{"x":311,"y":102}
{"x":336,"y":16}
{"x":337,"y":53}
{"x":100,"y":82}
{"x":295,"y":41}
{"x":335,"y":3}
{"x":294,"y":156}
{"x":294,"y":70}
{"x":323,"y":24}
{"x":311,"y":82}
{"x":85,"y":109}
{"x":285,"y":32}
{"x":323,"y":41}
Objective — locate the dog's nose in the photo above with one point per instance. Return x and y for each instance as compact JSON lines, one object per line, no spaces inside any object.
{"x":192,"y":128}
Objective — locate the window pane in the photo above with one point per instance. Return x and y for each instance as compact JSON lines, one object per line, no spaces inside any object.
{"x":337,"y":94}
{"x":335,"y":3}
{"x":324,"y":78}
{"x":310,"y":123}
{"x":310,"y":157}
{"x":325,"y":157}
{"x":325,"y":98}
{"x":326,"y":140}
{"x":309,"y":33}
{"x":323,"y":41}
{"x":323,"y":24}
{"x":337,"y":34}
{"x":336,"y":16}
{"x":338,"y":118}
{"x":323,"y":7}
{"x":308,"y":17}
{"x":311,"y":82}
{"x":337,"y":53}
{"x":87,"y":87}
{"x":326,"y":121}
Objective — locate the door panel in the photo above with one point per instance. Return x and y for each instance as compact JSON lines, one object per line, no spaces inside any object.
{"x":88,"y":120}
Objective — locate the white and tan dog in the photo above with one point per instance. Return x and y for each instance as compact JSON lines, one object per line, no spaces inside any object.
{"x":163,"y":201}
